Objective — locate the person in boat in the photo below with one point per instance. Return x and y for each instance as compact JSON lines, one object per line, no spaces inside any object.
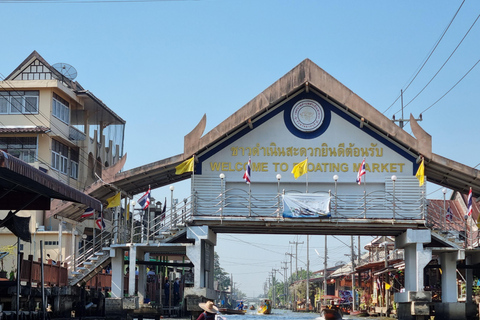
{"x":240,"y":306}
{"x":209,"y":311}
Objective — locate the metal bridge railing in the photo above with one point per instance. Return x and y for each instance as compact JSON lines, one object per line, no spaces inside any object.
{"x":455,"y":228}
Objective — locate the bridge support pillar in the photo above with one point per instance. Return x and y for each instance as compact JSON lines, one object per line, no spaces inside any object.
{"x":142,"y":276}
{"x":132,"y":254}
{"x":414,"y":303}
{"x":201,"y":254}
{"x":117,"y":273}
{"x":448,"y":262}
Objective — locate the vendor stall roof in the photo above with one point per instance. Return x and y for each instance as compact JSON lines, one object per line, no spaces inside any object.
{"x":23,"y":187}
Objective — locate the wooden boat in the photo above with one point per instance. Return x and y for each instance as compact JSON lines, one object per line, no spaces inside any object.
{"x":265,"y":307}
{"x":331,"y":310}
{"x":331,"y":314}
{"x":231,"y":311}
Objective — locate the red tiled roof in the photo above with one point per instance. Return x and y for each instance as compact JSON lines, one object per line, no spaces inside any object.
{"x":38,"y":129}
{"x":436,"y":214}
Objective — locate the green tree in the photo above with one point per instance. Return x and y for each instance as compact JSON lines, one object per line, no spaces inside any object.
{"x":220,"y":275}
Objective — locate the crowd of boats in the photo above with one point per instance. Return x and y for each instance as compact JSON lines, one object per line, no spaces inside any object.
{"x":265,"y":307}
{"x":332,"y":309}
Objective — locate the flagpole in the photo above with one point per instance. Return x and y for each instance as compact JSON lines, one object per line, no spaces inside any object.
{"x":148,"y":215}
{"x":365,"y":193}
{"x":306,"y":181}
{"x":250,"y":199}
{"x":192,"y":188}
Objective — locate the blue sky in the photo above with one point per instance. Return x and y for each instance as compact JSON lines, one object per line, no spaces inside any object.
{"x":161,"y":65}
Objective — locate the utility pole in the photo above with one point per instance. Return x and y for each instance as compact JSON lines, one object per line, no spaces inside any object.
{"x":291,"y":273}
{"x":387,"y":280}
{"x":353,"y":272}
{"x":358,"y":260}
{"x":401,"y":122}
{"x":307,"y":303}
{"x":296,"y":243}
{"x":274,"y":286}
{"x":325,"y":273}
{"x":285,"y":286}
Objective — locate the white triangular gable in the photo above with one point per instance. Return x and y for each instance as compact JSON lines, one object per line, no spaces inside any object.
{"x":36,"y":70}
{"x":338,"y":150}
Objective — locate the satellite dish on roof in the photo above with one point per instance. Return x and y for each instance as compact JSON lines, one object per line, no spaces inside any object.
{"x":66,"y":70}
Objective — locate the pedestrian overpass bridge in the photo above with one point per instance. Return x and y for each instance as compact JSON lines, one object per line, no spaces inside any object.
{"x":187,"y":230}
{"x":305,"y":115}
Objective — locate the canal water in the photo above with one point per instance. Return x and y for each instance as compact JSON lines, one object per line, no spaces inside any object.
{"x":280,"y":314}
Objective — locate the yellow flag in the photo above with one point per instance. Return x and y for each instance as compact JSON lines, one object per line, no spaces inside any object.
{"x":300,"y":169}
{"x":387,"y":286}
{"x":114,"y":201}
{"x":421,"y":174}
{"x":185,"y":166}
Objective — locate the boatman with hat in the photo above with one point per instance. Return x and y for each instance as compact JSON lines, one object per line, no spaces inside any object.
{"x":209,"y":311}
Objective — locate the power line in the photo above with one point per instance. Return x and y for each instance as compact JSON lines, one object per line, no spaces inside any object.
{"x":429,"y":55}
{"x":446,"y":61}
{"x":87,"y":1}
{"x":452,"y":86}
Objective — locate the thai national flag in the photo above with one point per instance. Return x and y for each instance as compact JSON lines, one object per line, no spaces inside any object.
{"x":379,"y":283}
{"x":469,"y":203}
{"x":246,"y":175}
{"x":449,"y":215}
{"x":361,"y":172}
{"x":144,"y":201}
{"x":100,"y":223}
{"x":88,"y":213}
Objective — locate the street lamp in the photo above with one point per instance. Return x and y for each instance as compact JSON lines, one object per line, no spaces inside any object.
{"x":222,"y":195}
{"x":335,"y":178}
{"x":444,"y":220}
{"x":279,"y":177}
{"x":394,"y":178}
{"x":133,"y":202}
{"x":173,"y":221}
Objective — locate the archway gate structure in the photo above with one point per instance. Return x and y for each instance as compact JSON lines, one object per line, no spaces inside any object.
{"x":307,"y":115}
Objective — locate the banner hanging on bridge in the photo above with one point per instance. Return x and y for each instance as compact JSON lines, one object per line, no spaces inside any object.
{"x":304,"y":205}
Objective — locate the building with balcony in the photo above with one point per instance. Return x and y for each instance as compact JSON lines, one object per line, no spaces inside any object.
{"x":50,"y":121}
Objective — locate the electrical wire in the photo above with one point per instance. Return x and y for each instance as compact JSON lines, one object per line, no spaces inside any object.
{"x":452,"y":86}
{"x":87,"y":1}
{"x":446,"y":61}
{"x":429,"y":55}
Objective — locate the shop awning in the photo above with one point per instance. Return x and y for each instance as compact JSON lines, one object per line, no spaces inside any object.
{"x":23,"y":187}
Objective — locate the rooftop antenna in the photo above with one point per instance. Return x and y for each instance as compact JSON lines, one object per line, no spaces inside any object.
{"x":66,"y":70}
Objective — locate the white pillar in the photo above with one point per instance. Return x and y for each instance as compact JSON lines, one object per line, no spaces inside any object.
{"x":448,"y":261}
{"x":117,"y":273}
{"x":60,"y":233}
{"x":196,"y":254}
{"x":416,"y":259}
{"x":132,"y":255}
{"x":468,"y":280}
{"x":142,"y":279}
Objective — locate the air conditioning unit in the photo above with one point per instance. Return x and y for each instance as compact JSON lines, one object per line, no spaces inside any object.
{"x":41,"y":228}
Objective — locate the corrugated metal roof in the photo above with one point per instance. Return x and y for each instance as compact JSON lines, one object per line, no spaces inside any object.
{"x":32,"y":129}
{"x":24,"y":187}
